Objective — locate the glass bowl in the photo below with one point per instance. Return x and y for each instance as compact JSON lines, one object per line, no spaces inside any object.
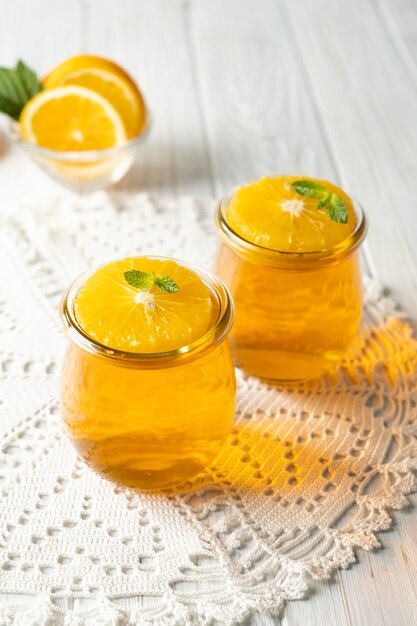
{"x":86,"y":170}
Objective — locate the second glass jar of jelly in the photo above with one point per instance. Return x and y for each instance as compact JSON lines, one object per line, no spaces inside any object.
{"x":297,"y":311}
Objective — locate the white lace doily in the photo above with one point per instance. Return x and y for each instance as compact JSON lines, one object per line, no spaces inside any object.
{"x":306,"y":476}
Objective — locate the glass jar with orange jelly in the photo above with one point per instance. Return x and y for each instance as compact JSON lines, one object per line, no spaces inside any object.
{"x":148,"y":383}
{"x":289,"y":255}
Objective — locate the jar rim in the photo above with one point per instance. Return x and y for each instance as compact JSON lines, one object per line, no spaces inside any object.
{"x":285,"y":258}
{"x":214,"y":335}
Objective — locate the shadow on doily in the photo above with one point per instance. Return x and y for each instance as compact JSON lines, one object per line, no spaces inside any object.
{"x":300,"y":471}
{"x":307,"y":446}
{"x":310,"y":474}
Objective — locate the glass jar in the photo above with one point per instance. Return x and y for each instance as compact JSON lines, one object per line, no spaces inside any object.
{"x":296,"y":312}
{"x":149,"y":421}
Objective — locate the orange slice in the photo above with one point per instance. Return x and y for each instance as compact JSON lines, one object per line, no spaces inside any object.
{"x":109,"y":80}
{"x":146,"y":320}
{"x":271,"y":214}
{"x":71,"y":118}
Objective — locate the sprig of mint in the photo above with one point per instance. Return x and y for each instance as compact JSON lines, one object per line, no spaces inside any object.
{"x":146,"y":280}
{"x":335,"y":206}
{"x":17,"y":86}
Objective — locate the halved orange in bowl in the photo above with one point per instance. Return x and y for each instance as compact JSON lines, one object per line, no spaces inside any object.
{"x":71,"y":118}
{"x":107,"y":79}
{"x":87,"y":125}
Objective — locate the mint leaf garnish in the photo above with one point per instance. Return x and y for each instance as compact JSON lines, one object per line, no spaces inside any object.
{"x":146,"y":280}
{"x":17,"y":87}
{"x":311,"y":189}
{"x":337,"y":209}
{"x":140,"y":280}
{"x":165,"y":283}
{"x":323,"y":203}
{"x":335,"y":206}
{"x":29,"y":79}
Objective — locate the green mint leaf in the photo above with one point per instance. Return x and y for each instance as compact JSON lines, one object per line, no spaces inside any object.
{"x":28,"y":79}
{"x":140,"y":280}
{"x":17,"y":87}
{"x":146,"y":280}
{"x":337,"y":209}
{"x":310,"y":189}
{"x":166,"y":283}
{"x":323,"y":203}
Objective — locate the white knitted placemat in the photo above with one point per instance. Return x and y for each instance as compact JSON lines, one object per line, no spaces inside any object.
{"x":306,"y":476}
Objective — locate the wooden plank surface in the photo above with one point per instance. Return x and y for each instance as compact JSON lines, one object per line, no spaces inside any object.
{"x":368,"y":105}
{"x":400,"y":20}
{"x":40,"y":33}
{"x":150,"y":39}
{"x":260,"y":116}
{"x":244,"y":88}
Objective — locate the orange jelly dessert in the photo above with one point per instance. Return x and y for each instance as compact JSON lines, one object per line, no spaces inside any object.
{"x":148,"y":384}
{"x":289,"y":255}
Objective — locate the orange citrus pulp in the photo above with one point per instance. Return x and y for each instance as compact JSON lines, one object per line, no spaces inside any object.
{"x":107,"y":79}
{"x":71,"y":118}
{"x":271,"y":214}
{"x":120,"y":316}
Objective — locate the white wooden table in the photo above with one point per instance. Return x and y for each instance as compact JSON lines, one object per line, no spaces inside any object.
{"x":244,"y":88}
